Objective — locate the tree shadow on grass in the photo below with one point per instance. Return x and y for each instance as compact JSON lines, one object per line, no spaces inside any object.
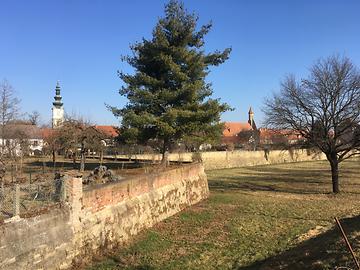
{"x":247,"y":186}
{"x":324,"y":251}
{"x":116,"y":262}
{"x":282,"y":180}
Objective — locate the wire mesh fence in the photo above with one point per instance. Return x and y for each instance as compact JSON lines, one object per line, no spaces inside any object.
{"x":7,"y":205}
{"x":29,"y":198}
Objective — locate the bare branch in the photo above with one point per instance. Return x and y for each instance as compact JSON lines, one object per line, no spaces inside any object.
{"x":324,"y":109}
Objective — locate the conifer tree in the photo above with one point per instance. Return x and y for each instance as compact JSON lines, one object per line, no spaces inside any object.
{"x":168,"y":98}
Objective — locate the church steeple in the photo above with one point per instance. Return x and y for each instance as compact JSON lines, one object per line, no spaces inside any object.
{"x":251,"y":119}
{"x":57,"y":109}
{"x":57,"y":97}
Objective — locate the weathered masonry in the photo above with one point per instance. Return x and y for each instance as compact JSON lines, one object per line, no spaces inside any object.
{"x":237,"y":158}
{"x":98,"y":217}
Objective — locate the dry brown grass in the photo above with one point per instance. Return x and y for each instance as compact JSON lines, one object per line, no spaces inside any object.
{"x":264,"y":217}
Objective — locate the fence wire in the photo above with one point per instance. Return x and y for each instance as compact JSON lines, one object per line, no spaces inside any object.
{"x":7,"y":204}
{"x":28,"y":199}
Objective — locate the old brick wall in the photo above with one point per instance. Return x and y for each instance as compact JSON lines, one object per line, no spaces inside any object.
{"x":36,"y":243}
{"x":98,"y":218}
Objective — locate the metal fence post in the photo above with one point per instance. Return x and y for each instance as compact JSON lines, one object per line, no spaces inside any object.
{"x":17,"y":200}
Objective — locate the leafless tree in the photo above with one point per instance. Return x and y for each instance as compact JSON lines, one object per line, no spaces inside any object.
{"x":9,"y":108}
{"x":52,"y":145}
{"x":324,"y":109}
{"x":76,"y":136}
{"x":249,"y":139}
{"x":34,"y":118}
{"x":18,"y":147}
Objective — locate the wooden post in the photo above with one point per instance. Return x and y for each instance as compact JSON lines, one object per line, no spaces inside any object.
{"x":347,"y":242}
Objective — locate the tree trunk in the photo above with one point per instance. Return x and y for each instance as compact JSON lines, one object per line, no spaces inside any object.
{"x":165,"y":154}
{"x":2,"y":138}
{"x":54,"y":158}
{"x":21,"y":162}
{"x":102,"y":157}
{"x":334,"y":163}
{"x":82,"y":161}
{"x":74,"y":160}
{"x":165,"y":159}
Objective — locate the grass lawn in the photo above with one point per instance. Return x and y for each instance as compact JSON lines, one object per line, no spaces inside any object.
{"x":263,"y":217}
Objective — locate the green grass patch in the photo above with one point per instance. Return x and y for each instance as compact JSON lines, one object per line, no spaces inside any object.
{"x":197,"y":218}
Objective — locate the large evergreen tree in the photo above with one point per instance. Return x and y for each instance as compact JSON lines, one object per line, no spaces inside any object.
{"x":168,"y":97}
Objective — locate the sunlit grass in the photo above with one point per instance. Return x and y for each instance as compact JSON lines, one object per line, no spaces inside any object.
{"x":255,"y":218}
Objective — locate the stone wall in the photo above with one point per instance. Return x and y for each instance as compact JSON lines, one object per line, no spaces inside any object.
{"x":40,"y":242}
{"x":232,"y":159}
{"x":237,"y":158}
{"x":98,"y":217}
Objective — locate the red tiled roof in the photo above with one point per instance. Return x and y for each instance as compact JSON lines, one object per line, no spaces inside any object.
{"x":267,"y":134}
{"x":108,"y":130}
{"x":233,"y":128}
{"x":46,"y":132}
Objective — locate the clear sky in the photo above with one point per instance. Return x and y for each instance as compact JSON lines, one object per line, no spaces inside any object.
{"x":80,"y":43}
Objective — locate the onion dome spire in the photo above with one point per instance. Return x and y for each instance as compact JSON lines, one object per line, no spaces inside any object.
{"x":57,"y":97}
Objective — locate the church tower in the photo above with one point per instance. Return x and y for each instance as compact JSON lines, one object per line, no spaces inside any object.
{"x":251,"y":120}
{"x":57,"y":109}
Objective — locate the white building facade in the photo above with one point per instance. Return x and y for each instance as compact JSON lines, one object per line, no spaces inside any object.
{"x":57,"y":109}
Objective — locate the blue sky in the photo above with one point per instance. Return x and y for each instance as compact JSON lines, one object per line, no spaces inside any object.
{"x":80,"y":44}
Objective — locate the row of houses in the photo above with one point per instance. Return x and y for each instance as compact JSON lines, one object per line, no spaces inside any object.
{"x":243,"y":134}
{"x":238,"y":134}
{"x":234,"y":133}
{"x":16,"y":136}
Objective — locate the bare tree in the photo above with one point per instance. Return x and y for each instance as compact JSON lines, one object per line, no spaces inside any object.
{"x":52,"y":145}
{"x":324,"y":109}
{"x":18,"y":147}
{"x":77,"y":136}
{"x":34,"y":118}
{"x":249,"y":139}
{"x":9,"y":108}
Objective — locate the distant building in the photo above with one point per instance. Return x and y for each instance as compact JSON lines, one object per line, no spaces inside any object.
{"x":22,"y":138}
{"x":57,"y":109}
{"x":58,"y":119}
{"x":247,"y":135}
{"x":110,"y":131}
{"x":232,"y":130}
{"x":20,"y":135}
{"x":279,"y":137}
